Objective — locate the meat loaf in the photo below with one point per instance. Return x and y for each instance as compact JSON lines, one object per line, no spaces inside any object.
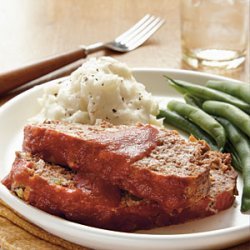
{"x":149,"y":162}
{"x":89,"y":200}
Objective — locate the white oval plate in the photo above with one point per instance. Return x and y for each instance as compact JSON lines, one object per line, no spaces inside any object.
{"x":228,"y":228}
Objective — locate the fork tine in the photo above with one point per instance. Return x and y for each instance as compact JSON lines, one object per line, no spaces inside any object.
{"x":145,"y":34}
{"x":134,"y":32}
{"x":133,"y":28}
{"x":132,"y":44}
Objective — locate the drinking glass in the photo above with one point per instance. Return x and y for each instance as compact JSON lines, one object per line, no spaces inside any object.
{"x":214,"y":33}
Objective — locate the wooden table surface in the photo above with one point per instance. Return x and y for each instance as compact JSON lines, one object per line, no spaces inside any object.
{"x":33,"y":30}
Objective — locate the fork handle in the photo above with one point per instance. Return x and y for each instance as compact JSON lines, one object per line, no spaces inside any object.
{"x":17,"y":77}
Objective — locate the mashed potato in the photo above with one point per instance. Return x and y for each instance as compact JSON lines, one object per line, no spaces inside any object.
{"x":102,"y":88}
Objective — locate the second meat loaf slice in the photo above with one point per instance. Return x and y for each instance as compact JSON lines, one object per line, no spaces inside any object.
{"x":89,"y":200}
{"x":149,"y":162}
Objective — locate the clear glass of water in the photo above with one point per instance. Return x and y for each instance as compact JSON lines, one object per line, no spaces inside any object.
{"x":214,"y":33}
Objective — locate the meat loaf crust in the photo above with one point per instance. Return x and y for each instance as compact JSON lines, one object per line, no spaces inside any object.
{"x":89,"y":200}
{"x":151,"y":163}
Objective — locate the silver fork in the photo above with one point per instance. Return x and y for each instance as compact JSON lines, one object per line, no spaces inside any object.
{"x":132,"y":38}
{"x":129,"y":40}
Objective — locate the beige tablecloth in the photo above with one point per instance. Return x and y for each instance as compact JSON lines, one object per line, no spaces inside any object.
{"x":18,"y":234}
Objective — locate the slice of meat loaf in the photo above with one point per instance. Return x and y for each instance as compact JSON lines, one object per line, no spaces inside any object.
{"x":149,"y":162}
{"x":89,"y":200}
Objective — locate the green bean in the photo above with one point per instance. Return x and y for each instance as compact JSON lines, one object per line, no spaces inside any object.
{"x":229,"y":112}
{"x":240,"y":90}
{"x":236,"y":162}
{"x":194,"y":101}
{"x":229,"y":148}
{"x":242,"y":146}
{"x":185,"y":125}
{"x":200,"y":118}
{"x":209,"y":94}
{"x":178,"y":88}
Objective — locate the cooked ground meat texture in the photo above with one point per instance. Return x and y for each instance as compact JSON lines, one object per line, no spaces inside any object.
{"x":149,"y":162}
{"x":89,"y":200}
